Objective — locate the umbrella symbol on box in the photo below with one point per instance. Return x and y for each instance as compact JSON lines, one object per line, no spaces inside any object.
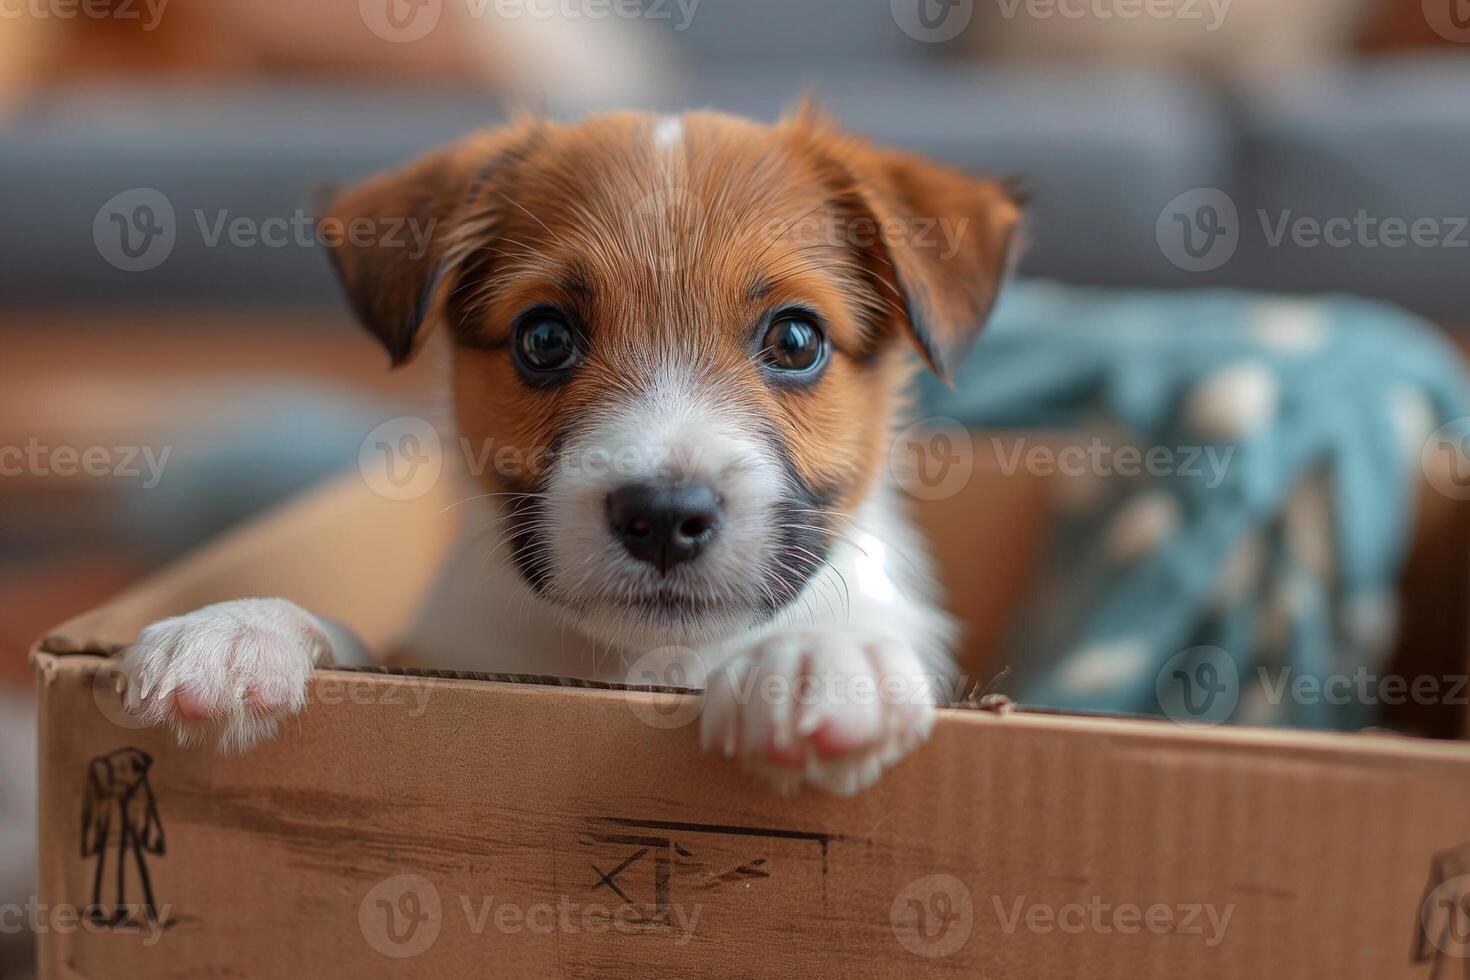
{"x":120,"y":816}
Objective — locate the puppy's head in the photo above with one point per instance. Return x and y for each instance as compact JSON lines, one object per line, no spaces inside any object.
{"x":679,"y":341}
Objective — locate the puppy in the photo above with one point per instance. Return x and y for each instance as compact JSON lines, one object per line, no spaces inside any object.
{"x":697,"y":331}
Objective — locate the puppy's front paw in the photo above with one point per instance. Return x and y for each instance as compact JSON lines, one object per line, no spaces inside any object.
{"x":235,"y":669}
{"x":828,"y":706}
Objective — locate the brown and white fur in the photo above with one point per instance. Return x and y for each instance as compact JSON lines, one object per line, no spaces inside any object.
{"x":669,"y":243}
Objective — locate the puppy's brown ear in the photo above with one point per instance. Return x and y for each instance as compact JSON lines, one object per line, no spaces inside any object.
{"x":397,"y":239}
{"x":939,"y":238}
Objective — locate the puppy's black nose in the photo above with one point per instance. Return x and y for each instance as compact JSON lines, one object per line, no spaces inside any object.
{"x":664,"y":524}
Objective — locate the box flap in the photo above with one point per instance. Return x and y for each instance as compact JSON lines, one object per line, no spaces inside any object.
{"x":313,"y":551}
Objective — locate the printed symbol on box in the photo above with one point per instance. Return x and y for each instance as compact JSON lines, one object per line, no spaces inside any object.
{"x":135,"y":230}
{"x":666,"y":851}
{"x":400,"y":21}
{"x":932,"y":21}
{"x":933,"y":459}
{"x":933,"y":916}
{"x":120,"y":815}
{"x":400,"y":916}
{"x":1450,"y":19}
{"x":1446,"y":459}
{"x":666,"y":855}
{"x":1199,"y":230}
{"x":1199,"y":687}
{"x":401,"y":459}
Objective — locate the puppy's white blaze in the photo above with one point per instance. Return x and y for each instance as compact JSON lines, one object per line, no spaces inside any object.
{"x":668,"y":131}
{"x":680,"y":430}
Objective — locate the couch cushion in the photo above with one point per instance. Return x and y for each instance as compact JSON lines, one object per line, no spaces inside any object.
{"x":1384,"y":142}
{"x":1096,"y":147}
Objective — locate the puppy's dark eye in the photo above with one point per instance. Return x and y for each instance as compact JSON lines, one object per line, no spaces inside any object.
{"x":545,"y":342}
{"x":794,"y":343}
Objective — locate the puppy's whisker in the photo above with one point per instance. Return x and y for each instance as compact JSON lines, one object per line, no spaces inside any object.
{"x":486,"y":496}
{"x":835,"y":535}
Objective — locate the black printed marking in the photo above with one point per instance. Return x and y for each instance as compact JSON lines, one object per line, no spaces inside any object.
{"x":120,"y":815}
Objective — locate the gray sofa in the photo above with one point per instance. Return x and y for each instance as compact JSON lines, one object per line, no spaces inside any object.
{"x":1103,"y":150}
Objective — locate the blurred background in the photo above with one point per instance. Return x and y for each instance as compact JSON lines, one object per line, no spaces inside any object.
{"x":175,"y":354}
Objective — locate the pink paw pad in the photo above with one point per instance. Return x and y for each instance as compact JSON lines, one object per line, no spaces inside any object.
{"x":190,"y":707}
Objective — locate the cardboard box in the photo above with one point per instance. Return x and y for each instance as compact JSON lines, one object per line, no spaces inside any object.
{"x":452,"y":825}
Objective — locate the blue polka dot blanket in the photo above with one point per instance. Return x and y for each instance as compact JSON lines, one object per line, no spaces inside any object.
{"x":1239,"y":498}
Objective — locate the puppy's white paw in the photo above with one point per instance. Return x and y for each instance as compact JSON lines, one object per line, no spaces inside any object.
{"x":234,"y":669}
{"x":827,"y":706}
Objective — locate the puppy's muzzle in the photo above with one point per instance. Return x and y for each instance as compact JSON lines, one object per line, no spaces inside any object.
{"x":665,"y":524}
